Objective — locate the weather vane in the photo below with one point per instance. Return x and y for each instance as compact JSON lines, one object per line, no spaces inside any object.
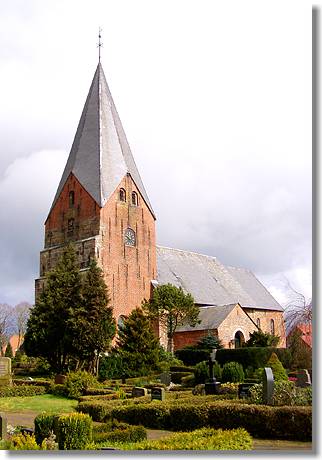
{"x":100,"y":44}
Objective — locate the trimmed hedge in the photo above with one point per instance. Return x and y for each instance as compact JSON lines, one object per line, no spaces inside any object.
{"x":22,"y":390}
{"x":97,"y":391}
{"x":181,"y":369}
{"x":253,"y":356}
{"x":41,"y":383}
{"x":180,"y":415}
{"x":119,"y":432}
{"x":203,"y":439}
{"x":73,"y":431}
{"x":193,"y":356}
{"x":176,"y":377}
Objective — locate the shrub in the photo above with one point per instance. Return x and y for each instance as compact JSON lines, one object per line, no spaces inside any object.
{"x":44,"y":425}
{"x":190,"y":357}
{"x":189,"y":381}
{"x":285,"y":394}
{"x":203,"y":439}
{"x":23,"y":442}
{"x":176,"y":377}
{"x":97,"y":391}
{"x":253,"y":356}
{"x":277,"y":368}
{"x":77,"y":383}
{"x":22,"y":390}
{"x":119,"y":432}
{"x":232,"y":372}
{"x":35,"y":382}
{"x":182,"y":369}
{"x":209,"y":342}
{"x":74,"y":431}
{"x":57,"y":389}
{"x":229,"y":388}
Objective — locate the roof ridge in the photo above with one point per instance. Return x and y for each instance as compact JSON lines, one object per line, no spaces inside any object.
{"x":190,"y":252}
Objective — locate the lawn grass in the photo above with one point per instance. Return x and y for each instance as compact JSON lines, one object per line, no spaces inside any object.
{"x":46,"y":402}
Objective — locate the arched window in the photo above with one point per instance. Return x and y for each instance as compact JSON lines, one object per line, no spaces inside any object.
{"x":258,"y":322}
{"x":71,"y":199}
{"x":272,"y":327}
{"x":122,"y":194}
{"x":135,"y":199}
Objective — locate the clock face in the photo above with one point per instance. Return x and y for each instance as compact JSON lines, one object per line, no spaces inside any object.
{"x":129,"y":237}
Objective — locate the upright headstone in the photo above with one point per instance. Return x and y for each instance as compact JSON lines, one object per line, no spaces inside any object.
{"x":303,"y":378}
{"x":3,"y":425}
{"x":158,"y":393}
{"x":165,"y":378}
{"x":268,"y":386}
{"x":137,"y":392}
{"x":5,"y":371}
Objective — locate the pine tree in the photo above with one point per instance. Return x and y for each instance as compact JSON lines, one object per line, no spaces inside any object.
{"x":209,"y":342}
{"x":137,"y":343}
{"x":8,"y":353}
{"x":96,"y":325}
{"x":278,"y":370}
{"x":52,"y":327}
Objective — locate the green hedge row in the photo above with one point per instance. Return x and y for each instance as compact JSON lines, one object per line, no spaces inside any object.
{"x":22,"y":390}
{"x":191,"y":357}
{"x":203,"y":439}
{"x":97,"y":391}
{"x":176,"y":377}
{"x":254,"y":357}
{"x":186,"y":415}
{"x":73,"y":431}
{"x":35,"y":382}
{"x":119,"y":432}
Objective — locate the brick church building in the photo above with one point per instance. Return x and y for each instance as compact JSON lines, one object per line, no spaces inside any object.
{"x":101,"y":206}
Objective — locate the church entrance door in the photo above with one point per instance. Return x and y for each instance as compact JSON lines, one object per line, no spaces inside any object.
{"x":239,"y":339}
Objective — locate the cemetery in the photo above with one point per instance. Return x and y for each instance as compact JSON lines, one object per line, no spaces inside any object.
{"x":205,"y":406}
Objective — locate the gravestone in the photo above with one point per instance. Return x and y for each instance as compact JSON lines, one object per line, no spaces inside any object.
{"x":303,"y":378}
{"x":243,"y":390}
{"x":3,"y":425}
{"x":165,"y":378}
{"x":158,"y":393}
{"x":5,"y":372}
{"x":137,"y":392}
{"x":268,"y":386}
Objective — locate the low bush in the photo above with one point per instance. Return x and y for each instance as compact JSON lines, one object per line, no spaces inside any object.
{"x":77,"y":383}
{"x":97,"y":391}
{"x":22,"y":390}
{"x":119,"y":432}
{"x":74,"y":431}
{"x":45,"y":424}
{"x":184,"y":415}
{"x":189,"y":381}
{"x":285,"y":394}
{"x":203,"y":439}
{"x":23,"y":442}
{"x":232,"y":372}
{"x":229,"y":388}
{"x":109,"y":397}
{"x":57,"y":389}
{"x":176,"y":377}
{"x":35,"y":382}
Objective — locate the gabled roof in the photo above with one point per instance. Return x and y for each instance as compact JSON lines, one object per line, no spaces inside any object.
{"x":100,"y":155}
{"x":210,"y":318}
{"x":210,"y":282}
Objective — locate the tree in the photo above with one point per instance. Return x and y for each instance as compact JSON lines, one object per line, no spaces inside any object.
{"x":278,"y":370}
{"x":298,"y":310}
{"x":172,"y":308}
{"x":95,"y":321}
{"x":9,"y":353}
{"x":301,"y":353}
{"x":52,"y":330}
{"x":5,"y":324}
{"x":21,"y":315}
{"x":262,"y":339}
{"x":209,"y":342}
{"x":137,"y":344}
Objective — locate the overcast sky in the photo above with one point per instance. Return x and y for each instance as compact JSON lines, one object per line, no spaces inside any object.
{"x":215,"y":99}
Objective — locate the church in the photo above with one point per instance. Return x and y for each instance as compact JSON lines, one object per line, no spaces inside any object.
{"x":102,"y":207}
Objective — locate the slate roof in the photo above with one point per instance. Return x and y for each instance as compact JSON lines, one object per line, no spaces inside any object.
{"x":100,"y":155}
{"x":210,"y":282}
{"x":210,"y":317}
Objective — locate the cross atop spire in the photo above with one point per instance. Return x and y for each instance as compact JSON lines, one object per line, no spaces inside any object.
{"x":100,"y":44}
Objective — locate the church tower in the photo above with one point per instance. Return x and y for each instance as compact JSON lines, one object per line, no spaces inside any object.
{"x":102,"y":207}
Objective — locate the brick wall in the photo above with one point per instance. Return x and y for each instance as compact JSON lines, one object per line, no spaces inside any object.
{"x":265,"y":317}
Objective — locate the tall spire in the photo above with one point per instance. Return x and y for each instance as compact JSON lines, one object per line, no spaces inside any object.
{"x":100,"y":155}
